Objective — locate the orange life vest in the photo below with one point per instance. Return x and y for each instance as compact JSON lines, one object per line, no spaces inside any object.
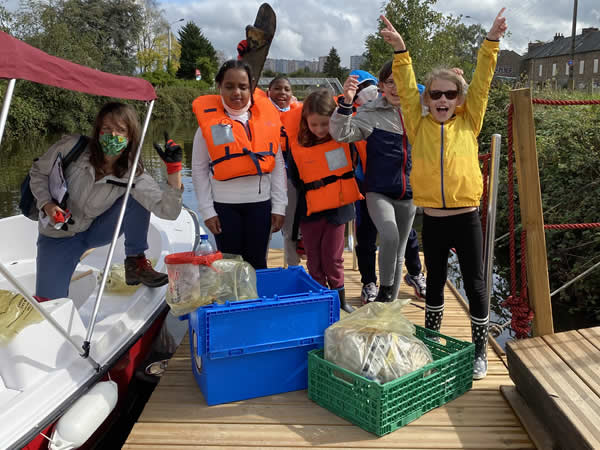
{"x":234,"y":150}
{"x":327,"y":175}
{"x":361,"y":148}
{"x":291,"y":124}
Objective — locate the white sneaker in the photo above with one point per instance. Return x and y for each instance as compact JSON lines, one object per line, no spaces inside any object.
{"x":368,"y":293}
{"x":418,"y":282}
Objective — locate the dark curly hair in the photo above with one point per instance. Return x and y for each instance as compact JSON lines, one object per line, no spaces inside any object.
{"x":122,"y":113}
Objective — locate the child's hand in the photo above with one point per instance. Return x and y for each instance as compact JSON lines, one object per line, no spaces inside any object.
{"x":350,"y":87}
{"x":499,"y":27}
{"x":391,"y":36}
{"x":458,"y":71}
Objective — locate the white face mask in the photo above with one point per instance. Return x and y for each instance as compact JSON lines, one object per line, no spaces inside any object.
{"x":366,"y":95}
{"x":237,"y":112}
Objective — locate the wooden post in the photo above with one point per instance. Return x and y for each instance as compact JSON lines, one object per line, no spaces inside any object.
{"x":531,"y":210}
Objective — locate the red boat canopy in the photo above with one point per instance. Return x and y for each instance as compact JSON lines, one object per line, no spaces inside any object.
{"x":22,"y":61}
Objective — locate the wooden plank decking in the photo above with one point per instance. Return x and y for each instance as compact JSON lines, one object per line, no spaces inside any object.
{"x":177,"y":417}
{"x":559,"y":377}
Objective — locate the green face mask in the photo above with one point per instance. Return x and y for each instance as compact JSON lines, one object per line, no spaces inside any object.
{"x":112,"y":145}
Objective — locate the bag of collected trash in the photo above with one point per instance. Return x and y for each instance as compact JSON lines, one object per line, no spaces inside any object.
{"x":16,"y":313}
{"x":198,"y":280}
{"x":115,"y":282}
{"x":376,"y":342}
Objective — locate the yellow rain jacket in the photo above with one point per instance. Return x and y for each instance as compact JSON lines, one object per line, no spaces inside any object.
{"x":445,"y":171}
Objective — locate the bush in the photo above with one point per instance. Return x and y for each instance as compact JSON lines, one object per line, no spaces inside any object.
{"x":568,"y":146}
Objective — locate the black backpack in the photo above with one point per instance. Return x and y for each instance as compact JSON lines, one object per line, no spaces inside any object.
{"x":28,"y":204}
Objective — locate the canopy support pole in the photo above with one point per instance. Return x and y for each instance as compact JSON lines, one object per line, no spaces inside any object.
{"x":86,"y":343}
{"x":6,"y":105}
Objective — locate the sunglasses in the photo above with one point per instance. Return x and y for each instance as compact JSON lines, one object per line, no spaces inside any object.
{"x":450,"y":95}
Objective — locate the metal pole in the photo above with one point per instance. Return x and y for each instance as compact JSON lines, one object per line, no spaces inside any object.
{"x":578,"y":277}
{"x":573,"y":31}
{"x":5,"y":105}
{"x":43,"y":313}
{"x":490,"y":229}
{"x":86,"y":344}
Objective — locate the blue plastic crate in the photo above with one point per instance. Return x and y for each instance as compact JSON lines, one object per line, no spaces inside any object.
{"x":259,"y":347}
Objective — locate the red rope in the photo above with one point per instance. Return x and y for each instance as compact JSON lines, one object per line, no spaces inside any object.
{"x":572,"y":226}
{"x":522,"y":314}
{"x":541,"y":101}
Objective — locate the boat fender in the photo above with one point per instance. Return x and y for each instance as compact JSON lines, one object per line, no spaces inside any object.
{"x":84,"y":417}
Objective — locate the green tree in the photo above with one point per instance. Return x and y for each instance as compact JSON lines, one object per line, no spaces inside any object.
{"x":152,"y":46}
{"x":332,"y":68}
{"x":97,"y":33}
{"x":208,"y":68}
{"x":467,"y":40}
{"x":193,"y":46}
{"x":424,"y":31}
{"x":6,"y":19}
{"x":304,"y":72}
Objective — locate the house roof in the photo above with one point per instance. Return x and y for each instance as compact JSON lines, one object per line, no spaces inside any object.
{"x":588,"y":42}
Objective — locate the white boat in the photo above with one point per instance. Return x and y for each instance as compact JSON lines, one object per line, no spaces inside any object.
{"x":41,"y":375}
{"x":46,"y":374}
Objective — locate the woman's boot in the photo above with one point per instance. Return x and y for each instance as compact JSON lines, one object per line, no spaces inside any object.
{"x":385,"y":294}
{"x":479,"y":333}
{"x":343,"y":304}
{"x":433,"y":320}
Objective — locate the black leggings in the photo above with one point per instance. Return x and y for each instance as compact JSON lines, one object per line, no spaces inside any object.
{"x":463,"y":233}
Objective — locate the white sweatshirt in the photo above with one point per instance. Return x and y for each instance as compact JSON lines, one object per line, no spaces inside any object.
{"x":250,"y":189}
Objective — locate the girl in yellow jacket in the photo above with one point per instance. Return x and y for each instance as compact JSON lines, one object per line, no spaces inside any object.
{"x":446,"y":178}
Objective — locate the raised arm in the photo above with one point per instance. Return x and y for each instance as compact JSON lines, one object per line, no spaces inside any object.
{"x":477,"y":96}
{"x":404,"y":78}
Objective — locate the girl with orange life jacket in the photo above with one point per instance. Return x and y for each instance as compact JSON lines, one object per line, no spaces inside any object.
{"x":280,"y":93}
{"x":322,"y":172}
{"x":237,"y":166}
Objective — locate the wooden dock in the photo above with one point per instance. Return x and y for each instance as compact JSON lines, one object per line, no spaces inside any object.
{"x":558,"y":376}
{"x":177,"y":417}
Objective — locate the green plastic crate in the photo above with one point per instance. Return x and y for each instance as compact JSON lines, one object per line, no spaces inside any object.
{"x":383,"y":408}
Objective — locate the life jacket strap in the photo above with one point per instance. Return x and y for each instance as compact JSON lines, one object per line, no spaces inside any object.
{"x":317,"y":184}
{"x":256,"y":157}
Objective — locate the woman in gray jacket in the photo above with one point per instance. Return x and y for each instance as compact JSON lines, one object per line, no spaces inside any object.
{"x":96,"y":182}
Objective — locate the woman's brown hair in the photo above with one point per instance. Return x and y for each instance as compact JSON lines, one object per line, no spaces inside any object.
{"x":121,"y":113}
{"x":318,"y":102}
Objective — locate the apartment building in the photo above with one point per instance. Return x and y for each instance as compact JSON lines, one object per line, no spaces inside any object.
{"x":550,"y":63}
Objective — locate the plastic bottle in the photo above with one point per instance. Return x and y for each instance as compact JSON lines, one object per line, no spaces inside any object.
{"x":204,"y":246}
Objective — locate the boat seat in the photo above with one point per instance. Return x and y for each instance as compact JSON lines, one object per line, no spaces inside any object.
{"x":39,"y":349}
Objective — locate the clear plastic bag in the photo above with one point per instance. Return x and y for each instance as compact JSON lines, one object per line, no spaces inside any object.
{"x":192,"y":285}
{"x":16,"y":313}
{"x":115,"y":282}
{"x":377,"y":342}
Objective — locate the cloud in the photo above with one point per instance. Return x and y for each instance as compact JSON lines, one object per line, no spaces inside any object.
{"x":306,"y":29}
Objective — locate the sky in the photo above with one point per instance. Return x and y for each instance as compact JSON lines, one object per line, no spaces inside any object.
{"x":307,"y":29}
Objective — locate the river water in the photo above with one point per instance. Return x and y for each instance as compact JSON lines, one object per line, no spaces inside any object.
{"x":16,"y":158}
